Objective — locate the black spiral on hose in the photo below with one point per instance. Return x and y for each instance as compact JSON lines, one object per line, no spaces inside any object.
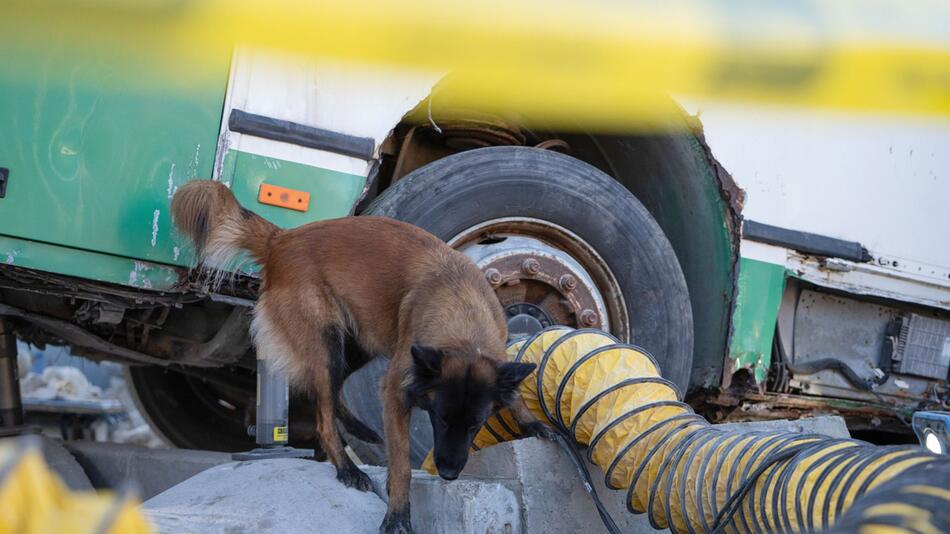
{"x":686,"y":474}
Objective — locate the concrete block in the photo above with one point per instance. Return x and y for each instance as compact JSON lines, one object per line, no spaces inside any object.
{"x":149,"y":471}
{"x":828,"y":425}
{"x":62,"y":462}
{"x":523,"y":486}
{"x":284,"y":495}
{"x":553,"y":497}
{"x":468,"y":505}
{"x":552,"y":494}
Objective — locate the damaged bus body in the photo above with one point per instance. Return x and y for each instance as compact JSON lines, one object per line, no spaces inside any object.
{"x":730,"y":242}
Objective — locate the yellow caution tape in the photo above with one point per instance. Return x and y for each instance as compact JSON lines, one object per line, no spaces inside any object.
{"x":604,"y":63}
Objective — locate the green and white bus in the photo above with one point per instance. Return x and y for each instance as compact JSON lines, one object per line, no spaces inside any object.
{"x":775,"y":262}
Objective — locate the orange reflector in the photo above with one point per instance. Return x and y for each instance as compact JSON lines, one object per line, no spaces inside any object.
{"x":284,"y":198}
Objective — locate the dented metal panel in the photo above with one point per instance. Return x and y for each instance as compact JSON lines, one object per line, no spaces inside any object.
{"x":93,"y":165}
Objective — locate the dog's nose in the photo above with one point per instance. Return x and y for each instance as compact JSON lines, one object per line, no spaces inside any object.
{"x":449,"y":474}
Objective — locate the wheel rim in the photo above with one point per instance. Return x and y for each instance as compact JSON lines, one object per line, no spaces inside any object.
{"x":545,"y":274}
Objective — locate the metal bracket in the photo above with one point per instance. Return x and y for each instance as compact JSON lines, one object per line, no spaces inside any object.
{"x":273,"y":406}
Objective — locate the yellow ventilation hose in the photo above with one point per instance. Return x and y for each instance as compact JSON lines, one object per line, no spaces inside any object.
{"x":912,"y":502}
{"x":686,"y":474}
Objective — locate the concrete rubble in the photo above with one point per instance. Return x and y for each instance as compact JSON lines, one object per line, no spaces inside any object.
{"x":523,"y":486}
{"x":288,"y":495}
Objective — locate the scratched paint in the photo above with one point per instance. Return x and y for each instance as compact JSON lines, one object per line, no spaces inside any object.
{"x":86,"y":264}
{"x":195,"y":162}
{"x":138,"y":276}
{"x":155,"y":215}
{"x":171,"y":181}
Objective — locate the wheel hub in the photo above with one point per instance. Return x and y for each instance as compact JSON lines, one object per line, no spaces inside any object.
{"x":538,"y":283}
{"x":525,"y":319}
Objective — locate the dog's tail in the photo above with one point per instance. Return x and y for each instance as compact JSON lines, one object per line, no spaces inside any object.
{"x":207,"y":212}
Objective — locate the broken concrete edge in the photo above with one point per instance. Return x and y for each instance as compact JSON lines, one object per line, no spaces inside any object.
{"x":61,"y":461}
{"x":552,"y":496}
{"x":146,"y":471}
{"x":270,"y":495}
{"x":828,"y":425}
{"x":522,"y":486}
{"x":294,"y":495}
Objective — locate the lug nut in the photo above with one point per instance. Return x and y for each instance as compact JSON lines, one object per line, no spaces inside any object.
{"x":567,"y":282}
{"x":588,"y":317}
{"x":531,"y":266}
{"x":493,"y":276}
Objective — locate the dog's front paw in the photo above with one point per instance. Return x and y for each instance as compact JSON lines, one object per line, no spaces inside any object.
{"x":396,"y":523}
{"x":537,"y":429}
{"x":352,"y":477}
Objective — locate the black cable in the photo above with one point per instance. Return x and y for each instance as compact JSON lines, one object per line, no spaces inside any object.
{"x":735,"y":500}
{"x":575,"y":456}
{"x":810,"y":367}
{"x":866,"y":384}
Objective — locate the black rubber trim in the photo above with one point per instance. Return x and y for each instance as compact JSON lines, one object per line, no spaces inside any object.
{"x":759,"y":456}
{"x":838,"y":479}
{"x":843,"y":457}
{"x":685,"y":482}
{"x":608,"y":474}
{"x":494,"y":433}
{"x":665,"y":476}
{"x":298,"y":134}
{"x":818,"y":245}
{"x":776,"y":473}
{"x":506,"y":427}
{"x":901,"y":455}
{"x":673,"y":481}
{"x":572,"y":431}
{"x":847,"y":482}
{"x":899,"y":452}
{"x":781,"y":491}
{"x":745,"y":446}
{"x":709,"y":501}
{"x":530,"y":339}
{"x":680,"y":427}
{"x":544,"y":362}
{"x":587,"y":357}
{"x":621,"y":418}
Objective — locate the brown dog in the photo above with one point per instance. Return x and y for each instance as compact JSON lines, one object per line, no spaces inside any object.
{"x":336,"y":292}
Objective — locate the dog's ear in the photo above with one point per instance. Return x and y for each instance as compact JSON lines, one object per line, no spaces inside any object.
{"x":427,"y":362}
{"x":509,"y":377}
{"x":423,"y":375}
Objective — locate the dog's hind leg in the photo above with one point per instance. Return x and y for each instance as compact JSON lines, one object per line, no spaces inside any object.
{"x":356,"y":358}
{"x":327,"y":382}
